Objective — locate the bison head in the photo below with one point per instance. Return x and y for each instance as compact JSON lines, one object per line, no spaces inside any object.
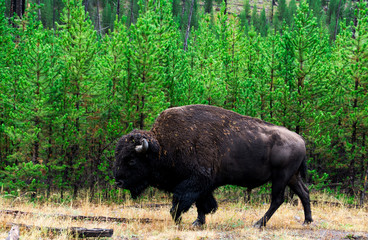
{"x":134,"y":154}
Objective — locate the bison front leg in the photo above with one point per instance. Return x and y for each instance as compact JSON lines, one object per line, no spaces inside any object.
{"x":185,"y":194}
{"x":181,"y":204}
{"x":205,"y":204}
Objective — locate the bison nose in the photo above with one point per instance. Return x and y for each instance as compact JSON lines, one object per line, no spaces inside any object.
{"x":119,"y":183}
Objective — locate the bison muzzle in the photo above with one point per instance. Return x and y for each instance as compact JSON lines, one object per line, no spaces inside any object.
{"x":192,"y":150}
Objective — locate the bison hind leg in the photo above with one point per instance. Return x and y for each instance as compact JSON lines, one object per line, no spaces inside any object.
{"x":279,"y":182}
{"x":296,"y":184}
{"x":205,"y":204}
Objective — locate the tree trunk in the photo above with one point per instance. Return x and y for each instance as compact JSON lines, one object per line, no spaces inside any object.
{"x":18,"y":7}
{"x":272,"y":76}
{"x":53,"y":14}
{"x":98,"y":17}
{"x":355,"y":20}
{"x":64,"y":153}
{"x":36,"y":147}
{"x":188,"y":26}
{"x":131,"y":12}
{"x":362,"y":158}
{"x":365,"y":187}
{"x":49,"y":155}
{"x":118,"y":9}
{"x":141,"y":118}
{"x":39,"y":10}
{"x":353,"y":141}
{"x":182,"y":9}
{"x":37,"y":120}
{"x":300,"y":87}
{"x":86,"y":3}
{"x":273,"y":4}
{"x":75,"y":151}
{"x":337,"y":21}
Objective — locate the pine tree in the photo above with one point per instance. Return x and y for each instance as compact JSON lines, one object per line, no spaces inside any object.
{"x":7,"y":62}
{"x":269,"y":79}
{"x":133,"y":12}
{"x":147,"y":54}
{"x":191,"y":86}
{"x":113,"y":110}
{"x":231,"y":49}
{"x":352,"y":44}
{"x":255,"y":18}
{"x":173,"y":59}
{"x":317,"y":8}
{"x":281,"y":10}
{"x":78,"y":42}
{"x":333,"y":16}
{"x":287,"y":71}
{"x":108,"y":16}
{"x":208,"y":5}
{"x":245,"y":15}
{"x":33,"y":73}
{"x":38,"y":66}
{"x":304,"y":69}
{"x":291,"y":11}
{"x":309,"y":47}
{"x":205,"y":62}
{"x":263,"y":26}
{"x":251,"y":56}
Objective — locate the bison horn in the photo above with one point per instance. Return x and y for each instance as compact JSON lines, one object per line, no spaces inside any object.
{"x":142,"y":148}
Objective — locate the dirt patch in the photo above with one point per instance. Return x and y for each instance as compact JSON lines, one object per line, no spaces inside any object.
{"x":330,"y":234}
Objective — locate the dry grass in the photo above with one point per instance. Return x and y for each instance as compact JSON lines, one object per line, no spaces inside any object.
{"x":231,"y":221}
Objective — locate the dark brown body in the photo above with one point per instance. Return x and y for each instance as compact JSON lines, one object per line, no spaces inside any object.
{"x":192,"y":150}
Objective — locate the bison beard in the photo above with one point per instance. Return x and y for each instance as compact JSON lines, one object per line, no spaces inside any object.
{"x":135,"y":190}
{"x":138,"y":190}
{"x":192,"y":150}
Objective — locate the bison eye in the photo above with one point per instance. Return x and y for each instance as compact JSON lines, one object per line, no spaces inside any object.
{"x":132,"y":162}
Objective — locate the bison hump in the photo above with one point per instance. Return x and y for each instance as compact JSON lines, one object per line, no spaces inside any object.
{"x":190,"y":136}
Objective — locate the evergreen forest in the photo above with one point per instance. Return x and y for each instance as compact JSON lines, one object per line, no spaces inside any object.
{"x":76,"y":75}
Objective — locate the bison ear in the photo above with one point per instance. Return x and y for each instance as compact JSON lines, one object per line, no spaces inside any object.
{"x":143,"y":147}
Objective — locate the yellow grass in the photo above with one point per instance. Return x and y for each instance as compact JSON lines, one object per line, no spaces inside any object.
{"x":231,"y":221}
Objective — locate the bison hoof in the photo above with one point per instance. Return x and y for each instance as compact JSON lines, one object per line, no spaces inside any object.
{"x":177,"y":220}
{"x":197,"y":223}
{"x":175,"y":217}
{"x":260,"y":224}
{"x":307,"y":222}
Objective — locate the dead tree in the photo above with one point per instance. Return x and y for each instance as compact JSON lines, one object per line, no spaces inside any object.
{"x":188,"y":26}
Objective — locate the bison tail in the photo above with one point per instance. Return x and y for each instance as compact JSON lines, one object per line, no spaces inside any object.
{"x":303,"y":168}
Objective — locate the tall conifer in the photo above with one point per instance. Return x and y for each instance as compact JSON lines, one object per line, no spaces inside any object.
{"x":79,"y":46}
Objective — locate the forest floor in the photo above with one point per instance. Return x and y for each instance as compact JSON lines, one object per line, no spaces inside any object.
{"x":151,"y":220}
{"x":237,"y":6}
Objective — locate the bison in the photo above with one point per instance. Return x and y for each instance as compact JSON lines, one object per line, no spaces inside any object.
{"x":192,"y":150}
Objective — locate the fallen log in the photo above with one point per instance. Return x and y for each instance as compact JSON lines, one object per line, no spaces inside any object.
{"x":294,"y":202}
{"x":80,"y":217}
{"x":13,"y":233}
{"x":74,"y":231}
{"x":148,"y":205}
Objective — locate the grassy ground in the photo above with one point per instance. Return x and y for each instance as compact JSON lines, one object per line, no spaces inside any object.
{"x":233,"y":220}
